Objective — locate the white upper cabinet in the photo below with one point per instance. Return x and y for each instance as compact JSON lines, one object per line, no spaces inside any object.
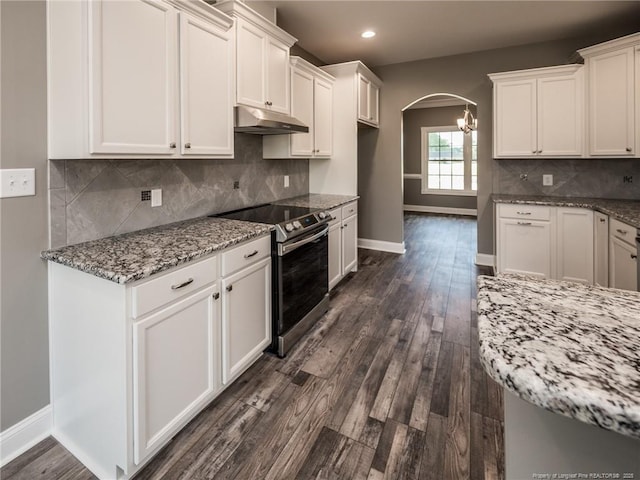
{"x":114,"y":92}
{"x":312,"y":104}
{"x":368,"y":99}
{"x":539,"y":112}
{"x":262,"y":59}
{"x":613,"y":90}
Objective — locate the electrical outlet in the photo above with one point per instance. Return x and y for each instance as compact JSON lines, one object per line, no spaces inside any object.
{"x":156,"y":197}
{"x":547,"y":180}
{"x":236,"y":184}
{"x":17,"y":182}
{"x":286,"y":181}
{"x":627,"y":179}
{"x":524,"y":177}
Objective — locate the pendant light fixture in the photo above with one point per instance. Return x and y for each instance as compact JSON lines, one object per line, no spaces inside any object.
{"x":468,"y":122}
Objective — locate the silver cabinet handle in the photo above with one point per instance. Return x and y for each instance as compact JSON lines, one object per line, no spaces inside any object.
{"x":187,"y":145}
{"x":172,"y":145}
{"x":524,"y":223}
{"x":252,"y":254}
{"x":183,"y":284}
{"x":216,"y":295}
{"x":621,"y":232}
{"x":523,"y":213}
{"x":229,"y":288}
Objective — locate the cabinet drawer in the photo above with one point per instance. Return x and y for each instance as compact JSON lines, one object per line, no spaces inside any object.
{"x":349,"y":209}
{"x":336,"y":213}
{"x":530,"y":212}
{"x":245,"y":254}
{"x":173,"y":285}
{"x":621,"y":230}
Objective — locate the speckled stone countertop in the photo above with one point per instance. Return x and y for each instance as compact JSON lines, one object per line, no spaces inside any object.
{"x":318,"y":200}
{"x":627,"y":211}
{"x":569,"y":348}
{"x":132,"y":256}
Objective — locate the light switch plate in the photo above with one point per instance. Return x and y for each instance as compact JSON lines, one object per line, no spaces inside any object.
{"x":286,"y":181}
{"x":156,"y":197}
{"x":547,"y":180}
{"x":17,"y":182}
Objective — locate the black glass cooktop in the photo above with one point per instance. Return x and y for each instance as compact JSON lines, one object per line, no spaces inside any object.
{"x":270,"y":214}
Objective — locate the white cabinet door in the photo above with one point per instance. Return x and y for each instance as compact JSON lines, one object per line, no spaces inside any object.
{"x":246,"y":317}
{"x":278,"y":78}
{"x":175,"y":368}
{"x":335,"y":254}
{"x":525,"y":247}
{"x":251,"y":68}
{"x":323,"y":118}
{"x":623,"y":270}
{"x":574,"y":245}
{"x":374,"y":104}
{"x":611,"y":103}
{"x":349,"y":244}
{"x":601,"y":249}
{"x":560,"y":115}
{"x":363,"y":98}
{"x":206,"y":88}
{"x":132,"y":77}
{"x":302,"y":109}
{"x":515,"y":118}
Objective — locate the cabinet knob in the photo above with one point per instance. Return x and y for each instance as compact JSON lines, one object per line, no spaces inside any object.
{"x":628,"y":149}
{"x":187,"y":145}
{"x":633,"y":257}
{"x":524,"y":223}
{"x":268,"y":103}
{"x":172,"y":145}
{"x":229,"y":288}
{"x":534,"y":151}
{"x":602,"y":220}
{"x":621,"y":232}
{"x":216,"y":295}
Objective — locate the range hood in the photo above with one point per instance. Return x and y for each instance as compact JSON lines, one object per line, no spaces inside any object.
{"x":265,"y":122}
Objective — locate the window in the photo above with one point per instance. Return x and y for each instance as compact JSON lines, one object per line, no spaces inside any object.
{"x":449,"y":161}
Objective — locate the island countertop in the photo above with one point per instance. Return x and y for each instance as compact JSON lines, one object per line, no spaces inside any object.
{"x":569,"y":348}
{"x":140,"y":254}
{"x":627,"y":211}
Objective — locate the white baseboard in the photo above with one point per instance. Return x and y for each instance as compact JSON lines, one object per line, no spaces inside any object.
{"x":23,"y":435}
{"x":486,"y":260}
{"x":381,"y":246}
{"x":446,"y":210}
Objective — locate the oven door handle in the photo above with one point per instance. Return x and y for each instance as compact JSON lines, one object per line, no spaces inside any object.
{"x":284,"y":249}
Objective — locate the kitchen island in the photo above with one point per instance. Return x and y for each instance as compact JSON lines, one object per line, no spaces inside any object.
{"x":568,"y":356}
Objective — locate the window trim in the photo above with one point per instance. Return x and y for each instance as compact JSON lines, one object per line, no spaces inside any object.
{"x":424,"y":167}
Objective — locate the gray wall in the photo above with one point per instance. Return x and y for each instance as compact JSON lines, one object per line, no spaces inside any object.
{"x":412,"y":122}
{"x":380,"y":184}
{"x":97,"y":198}
{"x":24,"y":373}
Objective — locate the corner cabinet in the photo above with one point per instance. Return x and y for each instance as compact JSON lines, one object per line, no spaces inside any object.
{"x":132,"y":364}
{"x":114,"y":93}
{"x":262,"y":59}
{"x":311,"y":103}
{"x":539,"y":112}
{"x":613,"y":96}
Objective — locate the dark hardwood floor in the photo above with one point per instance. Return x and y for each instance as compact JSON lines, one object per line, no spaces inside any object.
{"x":387,"y":386}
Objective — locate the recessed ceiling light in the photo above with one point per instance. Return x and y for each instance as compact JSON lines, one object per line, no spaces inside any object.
{"x":368,"y":34}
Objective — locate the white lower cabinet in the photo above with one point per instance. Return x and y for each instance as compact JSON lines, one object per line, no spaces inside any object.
{"x":575,"y":245}
{"x":343,"y":242}
{"x":176,"y":364}
{"x":246,"y":317}
{"x":132,"y":364}
{"x":601,"y":249}
{"x":623,"y":256}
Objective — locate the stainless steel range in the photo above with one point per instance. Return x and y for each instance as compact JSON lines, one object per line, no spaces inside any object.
{"x":300,"y":268}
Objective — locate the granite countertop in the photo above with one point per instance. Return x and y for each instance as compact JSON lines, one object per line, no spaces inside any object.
{"x":627,"y":211}
{"x":132,"y":256}
{"x":569,"y":348}
{"x":318,"y":200}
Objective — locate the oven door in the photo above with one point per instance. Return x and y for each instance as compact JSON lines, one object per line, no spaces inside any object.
{"x":303,"y":276}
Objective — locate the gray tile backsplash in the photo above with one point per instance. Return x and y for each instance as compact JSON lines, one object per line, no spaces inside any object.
{"x":596,"y":178}
{"x":92,"y":199}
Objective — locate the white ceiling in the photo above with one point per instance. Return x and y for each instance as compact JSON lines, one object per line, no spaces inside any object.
{"x":418,"y":29}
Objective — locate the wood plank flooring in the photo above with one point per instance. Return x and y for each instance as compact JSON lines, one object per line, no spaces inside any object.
{"x":388,"y":385}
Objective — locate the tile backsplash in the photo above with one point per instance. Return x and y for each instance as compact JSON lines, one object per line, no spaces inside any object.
{"x":92,"y":199}
{"x":596,"y":178}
